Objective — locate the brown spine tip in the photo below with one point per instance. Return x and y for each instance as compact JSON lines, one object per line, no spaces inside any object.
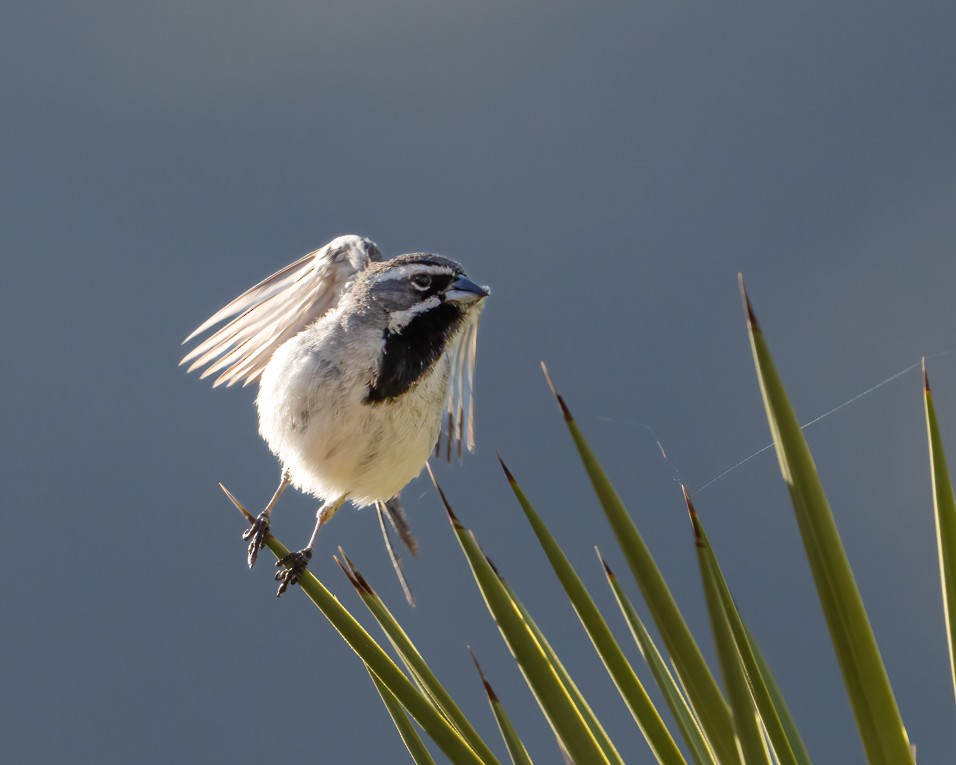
{"x":346,"y":558}
{"x":238,"y":504}
{"x":748,"y":308}
{"x":345,"y":570}
{"x":690,"y":505}
{"x":607,"y":568}
{"x":357,"y":580}
{"x":492,"y":696}
{"x":508,"y":475}
{"x":925,"y":377}
{"x":692,"y":512}
{"x":346,"y":565}
{"x":363,"y":583}
{"x":456,"y":524}
{"x":554,"y":391}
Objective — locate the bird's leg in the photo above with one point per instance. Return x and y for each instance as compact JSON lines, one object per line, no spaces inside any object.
{"x":256,"y":534}
{"x":292,"y":566}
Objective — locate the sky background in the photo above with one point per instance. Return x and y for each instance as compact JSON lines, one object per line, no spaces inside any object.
{"x":608,"y":168}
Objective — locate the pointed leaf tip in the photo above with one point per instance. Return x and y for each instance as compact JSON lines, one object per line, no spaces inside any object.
{"x":343,"y":561}
{"x":508,"y":475}
{"x":492,"y":696}
{"x":692,"y":512}
{"x":687,"y":500}
{"x":444,"y":500}
{"x":358,"y":581}
{"x":607,"y":569}
{"x":347,"y":558}
{"x":238,"y":504}
{"x":925,"y":377}
{"x":347,"y":572}
{"x":554,"y":391}
{"x":748,"y":308}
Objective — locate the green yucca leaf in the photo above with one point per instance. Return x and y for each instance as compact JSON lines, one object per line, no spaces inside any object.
{"x":411,"y":739}
{"x":516,"y":750}
{"x":590,"y":719}
{"x":784,"y":750}
{"x":785,"y":740}
{"x":413,"y":659}
{"x":779,"y":703}
{"x":378,"y":662}
{"x":683,"y":715}
{"x":703,"y":693}
{"x":945,"y":521}
{"x":871,"y":697}
{"x":553,"y":698}
{"x":753,"y":749}
{"x":616,"y":663}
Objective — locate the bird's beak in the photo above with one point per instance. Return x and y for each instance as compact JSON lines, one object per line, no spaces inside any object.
{"x":464,"y":290}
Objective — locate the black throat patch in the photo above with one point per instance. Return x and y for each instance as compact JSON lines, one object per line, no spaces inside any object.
{"x":412,"y":352}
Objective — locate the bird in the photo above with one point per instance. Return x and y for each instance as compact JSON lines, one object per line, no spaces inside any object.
{"x":365,"y":367}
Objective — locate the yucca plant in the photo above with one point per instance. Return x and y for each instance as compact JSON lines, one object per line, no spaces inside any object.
{"x":744,"y":721}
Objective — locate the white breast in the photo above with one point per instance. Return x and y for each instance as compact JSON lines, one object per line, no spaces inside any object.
{"x":313,"y":415}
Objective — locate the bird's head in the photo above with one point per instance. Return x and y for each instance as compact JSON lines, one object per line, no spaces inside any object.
{"x":424,"y":301}
{"x":420,"y":286}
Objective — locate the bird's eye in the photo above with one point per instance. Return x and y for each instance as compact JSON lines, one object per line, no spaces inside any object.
{"x":421,"y":282}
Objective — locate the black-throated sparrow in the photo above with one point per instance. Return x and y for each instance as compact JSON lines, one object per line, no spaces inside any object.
{"x":357,"y":358}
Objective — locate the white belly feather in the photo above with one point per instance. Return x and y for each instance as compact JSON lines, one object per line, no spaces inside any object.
{"x":315,"y":419}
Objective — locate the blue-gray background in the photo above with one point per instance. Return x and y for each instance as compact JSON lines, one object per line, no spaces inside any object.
{"x":608,"y":168}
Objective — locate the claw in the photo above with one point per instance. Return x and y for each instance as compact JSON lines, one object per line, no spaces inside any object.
{"x":292,"y":567}
{"x":256,"y":535}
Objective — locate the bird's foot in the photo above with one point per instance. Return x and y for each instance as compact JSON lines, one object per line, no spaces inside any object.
{"x":292,"y":567}
{"x":256,"y":535}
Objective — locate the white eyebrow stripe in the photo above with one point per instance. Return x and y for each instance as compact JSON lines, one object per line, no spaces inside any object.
{"x":402,"y":272}
{"x":398,"y":320}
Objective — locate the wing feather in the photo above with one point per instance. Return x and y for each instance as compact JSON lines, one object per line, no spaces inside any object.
{"x":276,"y":309}
{"x":459,"y":431}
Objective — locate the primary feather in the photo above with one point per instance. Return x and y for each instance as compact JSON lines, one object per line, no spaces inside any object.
{"x":277,"y":309}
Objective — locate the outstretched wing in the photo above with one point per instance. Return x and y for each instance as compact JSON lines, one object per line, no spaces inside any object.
{"x":459,"y":426}
{"x":278,"y":308}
